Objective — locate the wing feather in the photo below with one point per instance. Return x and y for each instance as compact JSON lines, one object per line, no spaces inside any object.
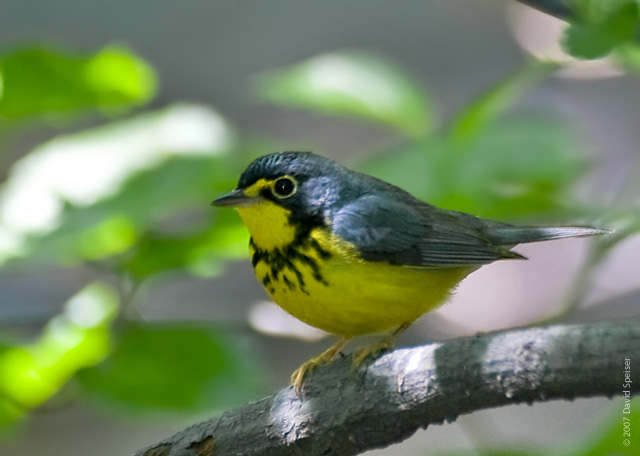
{"x":398,"y":232}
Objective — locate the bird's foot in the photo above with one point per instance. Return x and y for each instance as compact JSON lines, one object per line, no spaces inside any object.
{"x":297,"y":378}
{"x":375,"y":349}
{"x":298,"y":375}
{"x":372,"y":350}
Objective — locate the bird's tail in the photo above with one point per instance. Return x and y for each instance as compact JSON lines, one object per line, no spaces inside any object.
{"x":512,"y":235}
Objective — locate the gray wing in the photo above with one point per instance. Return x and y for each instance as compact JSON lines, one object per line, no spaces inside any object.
{"x":398,"y":232}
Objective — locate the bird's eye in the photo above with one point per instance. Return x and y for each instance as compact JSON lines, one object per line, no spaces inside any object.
{"x":284,"y":187}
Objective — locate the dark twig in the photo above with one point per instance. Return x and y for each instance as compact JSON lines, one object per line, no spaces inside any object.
{"x":556,"y":8}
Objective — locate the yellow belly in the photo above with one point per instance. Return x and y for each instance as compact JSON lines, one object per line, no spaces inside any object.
{"x":344,"y":295}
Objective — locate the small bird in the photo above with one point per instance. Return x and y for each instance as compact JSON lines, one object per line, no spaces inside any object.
{"x":353,"y":255}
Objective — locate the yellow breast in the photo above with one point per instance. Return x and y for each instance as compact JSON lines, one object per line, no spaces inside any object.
{"x":324,"y":282}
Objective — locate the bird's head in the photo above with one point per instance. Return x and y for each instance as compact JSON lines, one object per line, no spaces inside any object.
{"x":278,"y":192}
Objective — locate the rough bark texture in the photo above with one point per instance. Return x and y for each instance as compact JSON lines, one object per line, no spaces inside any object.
{"x":386,"y":401}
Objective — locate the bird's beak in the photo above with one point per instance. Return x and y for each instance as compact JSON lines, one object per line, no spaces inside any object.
{"x":235,"y":198}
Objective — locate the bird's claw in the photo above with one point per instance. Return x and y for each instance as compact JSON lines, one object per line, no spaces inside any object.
{"x":371,"y":350}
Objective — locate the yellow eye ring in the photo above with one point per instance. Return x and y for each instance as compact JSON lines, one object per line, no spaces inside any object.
{"x":284,"y":187}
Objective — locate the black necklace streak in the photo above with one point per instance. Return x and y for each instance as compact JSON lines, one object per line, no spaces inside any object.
{"x":283,"y":259}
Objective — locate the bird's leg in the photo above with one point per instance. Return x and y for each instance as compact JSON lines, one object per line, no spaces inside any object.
{"x":374,"y":349}
{"x":325,"y":357}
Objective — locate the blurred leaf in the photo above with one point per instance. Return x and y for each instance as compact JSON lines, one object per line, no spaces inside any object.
{"x":520,"y":168}
{"x":160,"y":220}
{"x":517,"y":168}
{"x":498,"y":452}
{"x":201,"y":253}
{"x":588,"y":42}
{"x":41,"y":82}
{"x":608,"y":438}
{"x":628,"y":55}
{"x":600,"y":26}
{"x":165,"y":366}
{"x":79,"y":337}
{"x":111,"y":236}
{"x":414,"y":167}
{"x":355,"y":84}
{"x":10,"y":414}
{"x":92,"y":194}
{"x":597,"y":10}
{"x":479,"y":114}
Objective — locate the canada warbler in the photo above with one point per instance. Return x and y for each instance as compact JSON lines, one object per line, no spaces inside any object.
{"x":351,"y":254}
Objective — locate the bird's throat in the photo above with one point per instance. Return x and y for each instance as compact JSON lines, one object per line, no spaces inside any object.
{"x":269,"y":225}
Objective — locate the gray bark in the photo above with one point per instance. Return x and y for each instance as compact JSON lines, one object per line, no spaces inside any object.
{"x":387,"y":400}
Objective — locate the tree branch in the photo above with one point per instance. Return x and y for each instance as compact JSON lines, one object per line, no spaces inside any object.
{"x":556,"y":8}
{"x":345,"y":413}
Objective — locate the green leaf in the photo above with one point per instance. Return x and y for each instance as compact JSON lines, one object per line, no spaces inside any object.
{"x":481,"y":113}
{"x":628,"y":55}
{"x":171,"y":367}
{"x":95,"y":194}
{"x":147,"y":229}
{"x":608,"y":438}
{"x":517,"y":168}
{"x":594,"y":11}
{"x":600,"y":27}
{"x":520,"y":168}
{"x":79,"y":337}
{"x":352,"y":83}
{"x":588,"y":42}
{"x":201,"y":253}
{"x":43,"y":82}
{"x":414,"y":167}
{"x":492,"y":452}
{"x":11,"y":415}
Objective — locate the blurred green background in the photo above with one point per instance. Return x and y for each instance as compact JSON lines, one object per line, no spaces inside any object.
{"x":127,"y":307}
